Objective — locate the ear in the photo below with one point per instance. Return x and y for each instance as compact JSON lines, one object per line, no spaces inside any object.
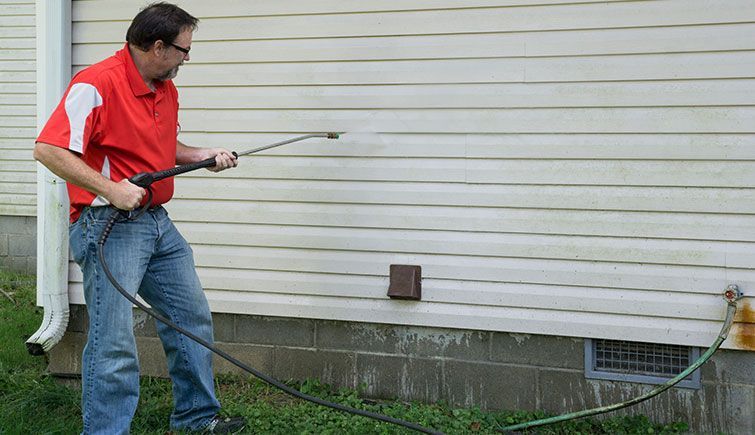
{"x":158,"y":48}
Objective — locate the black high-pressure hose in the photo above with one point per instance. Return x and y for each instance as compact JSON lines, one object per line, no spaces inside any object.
{"x":144,"y":180}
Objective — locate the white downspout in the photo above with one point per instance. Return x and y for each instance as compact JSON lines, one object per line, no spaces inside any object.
{"x":53,"y":26}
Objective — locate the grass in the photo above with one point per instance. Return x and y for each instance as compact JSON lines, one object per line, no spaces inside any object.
{"x":33,"y":402}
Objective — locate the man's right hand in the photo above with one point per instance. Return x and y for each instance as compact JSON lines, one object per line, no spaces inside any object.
{"x":125,"y":195}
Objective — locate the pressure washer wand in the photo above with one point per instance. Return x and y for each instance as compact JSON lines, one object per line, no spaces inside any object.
{"x":145,"y":179}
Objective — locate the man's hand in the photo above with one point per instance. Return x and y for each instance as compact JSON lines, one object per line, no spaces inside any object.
{"x":125,"y":195}
{"x":224,"y":159}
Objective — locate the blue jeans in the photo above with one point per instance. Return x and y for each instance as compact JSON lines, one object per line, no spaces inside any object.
{"x":149,"y":256}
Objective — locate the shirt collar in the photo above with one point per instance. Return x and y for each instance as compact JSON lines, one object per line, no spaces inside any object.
{"x":135,"y":80}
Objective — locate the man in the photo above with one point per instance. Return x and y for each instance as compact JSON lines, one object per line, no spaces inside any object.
{"x":117,"y":118}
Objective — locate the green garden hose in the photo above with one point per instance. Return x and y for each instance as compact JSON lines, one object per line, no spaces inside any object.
{"x":731,"y":296}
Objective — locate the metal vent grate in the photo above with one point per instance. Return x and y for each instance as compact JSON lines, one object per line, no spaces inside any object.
{"x":630,"y":361}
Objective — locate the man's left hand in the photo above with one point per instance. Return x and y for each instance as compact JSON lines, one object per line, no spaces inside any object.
{"x":224,"y":159}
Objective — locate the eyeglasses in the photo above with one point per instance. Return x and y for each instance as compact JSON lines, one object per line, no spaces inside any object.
{"x":185,"y":51}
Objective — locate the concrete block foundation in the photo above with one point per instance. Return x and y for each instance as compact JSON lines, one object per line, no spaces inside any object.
{"x":18,"y":244}
{"x":491,"y":370}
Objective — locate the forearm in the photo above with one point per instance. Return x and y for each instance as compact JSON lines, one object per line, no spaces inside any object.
{"x":68,"y":166}
{"x":186,"y":154}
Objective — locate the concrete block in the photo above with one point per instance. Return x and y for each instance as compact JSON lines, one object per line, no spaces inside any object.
{"x":355,"y":336}
{"x":275,"y":331}
{"x":730,"y":367}
{"x":224,"y":327}
{"x":22,"y":245}
{"x":258,"y":357}
{"x":152,"y":360}
{"x":30,"y":225}
{"x":18,"y":264}
{"x":712,"y":409}
{"x":449,"y":343}
{"x":31,"y":265}
{"x":4,"y":250}
{"x":402,"y":340}
{"x":538,"y":350}
{"x":78,"y":320}
{"x":18,"y":225}
{"x":400,"y":377}
{"x":334,"y":368}
{"x":144,"y":324}
{"x":65,"y":357}
{"x":489,"y":386}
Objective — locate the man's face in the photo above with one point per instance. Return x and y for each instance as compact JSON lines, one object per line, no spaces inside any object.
{"x":173,"y":57}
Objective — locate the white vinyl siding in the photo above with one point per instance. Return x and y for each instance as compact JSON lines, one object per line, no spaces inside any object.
{"x":575,"y":168}
{"x":17,"y":108}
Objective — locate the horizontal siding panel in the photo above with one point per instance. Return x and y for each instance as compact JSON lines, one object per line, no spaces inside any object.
{"x":13,"y":21}
{"x":735,"y":228}
{"x":23,"y":154}
{"x":18,"y":177}
{"x":616,"y":173}
{"x":685,"y":199}
{"x":17,"y":78}
{"x":566,"y":43}
{"x":16,"y":8}
{"x":560,"y":17}
{"x":24,"y":165}
{"x":17,"y":43}
{"x":18,"y":88}
{"x":17,"y":32}
{"x":17,"y":121}
{"x":614,"y":146}
{"x":501,"y":146}
{"x":17,"y":132}
{"x":17,"y":199}
{"x":582,"y":120}
{"x":18,"y":210}
{"x":17,"y":188}
{"x":17,"y":54}
{"x":7,"y":143}
{"x":439,"y":170}
{"x":724,"y":65}
{"x":513,"y":95}
{"x":98,"y":10}
{"x":14,"y":105}
{"x":602,"y":249}
{"x":15,"y":65}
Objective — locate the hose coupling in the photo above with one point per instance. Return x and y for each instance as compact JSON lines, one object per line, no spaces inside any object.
{"x":732,"y":293}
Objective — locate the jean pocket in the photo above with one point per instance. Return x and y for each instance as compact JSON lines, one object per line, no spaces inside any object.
{"x":77,"y":239}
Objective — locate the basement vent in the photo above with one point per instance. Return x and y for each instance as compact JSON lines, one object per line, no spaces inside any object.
{"x":647,"y":363}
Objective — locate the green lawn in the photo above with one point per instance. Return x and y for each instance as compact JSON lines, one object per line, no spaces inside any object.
{"x":31,"y":402}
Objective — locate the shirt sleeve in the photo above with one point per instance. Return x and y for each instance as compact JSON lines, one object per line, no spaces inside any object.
{"x":75,"y":120}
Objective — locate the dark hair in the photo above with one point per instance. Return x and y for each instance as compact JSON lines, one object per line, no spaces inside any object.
{"x":159,"y":21}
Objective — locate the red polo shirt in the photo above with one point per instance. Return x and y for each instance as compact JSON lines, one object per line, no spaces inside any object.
{"x":118,"y":125}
